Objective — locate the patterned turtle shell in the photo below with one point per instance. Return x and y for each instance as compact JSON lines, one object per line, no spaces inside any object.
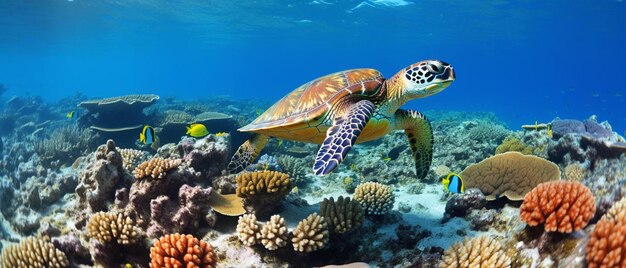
{"x":309,"y":102}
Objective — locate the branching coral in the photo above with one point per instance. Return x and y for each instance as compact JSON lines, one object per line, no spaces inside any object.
{"x":607,"y":241}
{"x":311,"y":234}
{"x":132,"y":158}
{"x":64,"y":145}
{"x":563,"y":206}
{"x":511,"y":174}
{"x":178,"y":250}
{"x":375,"y":198}
{"x":248,"y":230}
{"x":156,"y":168}
{"x":33,"y":252}
{"x":274,"y":233}
{"x":262,"y":191}
{"x":574,"y":172}
{"x":477,"y":252}
{"x":342,"y":216}
{"x":110,"y":226}
{"x":295,"y":167}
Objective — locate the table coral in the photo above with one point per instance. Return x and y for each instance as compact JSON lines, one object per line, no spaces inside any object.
{"x":563,"y":206}
{"x":477,"y":252}
{"x":248,"y":230}
{"x":375,"y":198}
{"x":509,"y":174}
{"x":33,"y":252}
{"x":342,"y":216}
{"x":262,"y":191}
{"x":156,"y":168}
{"x":311,"y":234}
{"x":111,"y":226}
{"x":607,"y":241}
{"x":178,"y":250}
{"x":274,"y":233}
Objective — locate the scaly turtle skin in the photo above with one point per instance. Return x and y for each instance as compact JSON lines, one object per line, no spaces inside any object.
{"x":349,"y":107}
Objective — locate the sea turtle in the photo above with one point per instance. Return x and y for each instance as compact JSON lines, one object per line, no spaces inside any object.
{"x":348,"y":107}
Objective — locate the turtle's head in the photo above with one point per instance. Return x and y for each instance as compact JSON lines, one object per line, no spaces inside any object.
{"x":425,"y":78}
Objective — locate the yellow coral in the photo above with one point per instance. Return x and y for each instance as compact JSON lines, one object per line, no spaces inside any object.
{"x":109,"y":226}
{"x":156,"y":168}
{"x":311,"y":234}
{"x":375,"y":198}
{"x":509,"y":174}
{"x":265,"y":181}
{"x":33,"y":252}
{"x":274,"y":233}
{"x":475,"y":253}
{"x":132,"y":158}
{"x":574,"y":172}
{"x":513,"y":144}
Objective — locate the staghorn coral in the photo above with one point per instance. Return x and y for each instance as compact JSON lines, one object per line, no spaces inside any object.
{"x":263,"y":190}
{"x":563,"y":206}
{"x":156,"y":168}
{"x":311,"y":234}
{"x":511,"y":174}
{"x":33,"y":252}
{"x":178,"y":250}
{"x":111,"y":226}
{"x":513,"y":144}
{"x":477,"y":252}
{"x":274,"y":233}
{"x":248,"y":230}
{"x":375,"y":198}
{"x":64,"y":145}
{"x":342,"y":216}
{"x":607,"y":242}
{"x":574,"y":172}
{"x":132,"y":158}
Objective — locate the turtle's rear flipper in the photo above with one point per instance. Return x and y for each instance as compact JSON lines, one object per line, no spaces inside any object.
{"x":420,"y":134}
{"x":341,"y":136}
{"x":247,"y":153}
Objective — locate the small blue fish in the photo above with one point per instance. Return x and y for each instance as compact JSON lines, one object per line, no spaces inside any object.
{"x":453,"y":183}
{"x":71,"y":115}
{"x":147,"y":135}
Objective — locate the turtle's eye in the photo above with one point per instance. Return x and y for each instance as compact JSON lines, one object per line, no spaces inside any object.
{"x":435,"y":67}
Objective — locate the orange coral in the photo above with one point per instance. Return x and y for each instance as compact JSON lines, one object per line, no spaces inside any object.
{"x":607,"y":242}
{"x":181,"y":251}
{"x":563,"y":206}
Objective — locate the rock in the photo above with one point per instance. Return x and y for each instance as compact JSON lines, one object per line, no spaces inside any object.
{"x":461,"y":204}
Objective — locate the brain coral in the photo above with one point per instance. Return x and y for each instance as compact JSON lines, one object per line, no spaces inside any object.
{"x":311,"y":234}
{"x":477,"y":252}
{"x":108,"y":226}
{"x":178,"y":250}
{"x":607,"y":241}
{"x":33,"y":252}
{"x":156,"y":168}
{"x":511,"y":174}
{"x":342,"y":216}
{"x":563,"y":206}
{"x":374,"y":197}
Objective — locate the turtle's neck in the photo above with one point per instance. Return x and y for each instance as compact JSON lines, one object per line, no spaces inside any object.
{"x":396,"y":94}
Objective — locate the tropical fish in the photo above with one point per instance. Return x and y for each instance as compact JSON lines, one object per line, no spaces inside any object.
{"x":197,"y":130}
{"x":147,"y":135}
{"x":453,"y":183}
{"x":394,"y":153}
{"x":220,"y":134}
{"x":549,"y":127}
{"x":70,"y":115}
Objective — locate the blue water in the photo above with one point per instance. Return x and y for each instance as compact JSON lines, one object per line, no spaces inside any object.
{"x":524,"y":60}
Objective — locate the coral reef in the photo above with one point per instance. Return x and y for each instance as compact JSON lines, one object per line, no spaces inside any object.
{"x":155,"y":168}
{"x":510,"y":174}
{"x":607,"y":241}
{"x":182,"y":215}
{"x":64,"y":145}
{"x":110,"y":226}
{"x":132,"y":158}
{"x":263,"y":190}
{"x":513,"y":144}
{"x":296,"y":168}
{"x":461,"y":204}
{"x":248,"y":230}
{"x":342,"y":216}
{"x":33,"y":252}
{"x":477,"y":252}
{"x":105,"y":113}
{"x":563,"y":206}
{"x":208,"y":155}
{"x":178,"y":250}
{"x":311,"y":234}
{"x":574,"y":172}
{"x":375,"y":198}
{"x":274,"y":233}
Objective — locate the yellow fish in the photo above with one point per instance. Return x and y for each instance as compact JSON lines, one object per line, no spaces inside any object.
{"x":453,"y":183}
{"x":71,"y":115}
{"x":549,"y":127}
{"x":197,"y":130}
{"x":220,"y":134}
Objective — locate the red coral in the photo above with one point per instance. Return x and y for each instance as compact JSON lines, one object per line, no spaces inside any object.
{"x":181,"y":251}
{"x":563,"y":206}
{"x":607,"y":242}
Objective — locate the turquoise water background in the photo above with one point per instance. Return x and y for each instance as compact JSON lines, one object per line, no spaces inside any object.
{"x":524,"y":60}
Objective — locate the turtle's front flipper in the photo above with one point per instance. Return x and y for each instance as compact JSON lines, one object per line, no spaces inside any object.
{"x":340,"y":137}
{"x":420,"y":134}
{"x":247,"y":153}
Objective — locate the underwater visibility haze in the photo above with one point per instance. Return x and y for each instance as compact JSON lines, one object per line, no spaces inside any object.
{"x":128,"y":128}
